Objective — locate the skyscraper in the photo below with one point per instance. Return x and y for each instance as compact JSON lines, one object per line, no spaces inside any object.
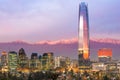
{"x":12,"y":61}
{"x":83,"y":35}
{"x":34,"y":60}
{"x":22,"y":59}
{"x":47,"y":61}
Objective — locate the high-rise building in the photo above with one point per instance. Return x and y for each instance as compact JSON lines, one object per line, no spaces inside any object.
{"x":34,"y":60}
{"x":4,"y":58}
{"x":34,"y":56}
{"x":12,"y":61}
{"x":47,"y":61}
{"x":104,"y":54}
{"x":4,"y":61}
{"x":22,"y":52}
{"x":83,"y":35}
{"x":22,"y":58}
{"x":57,"y":61}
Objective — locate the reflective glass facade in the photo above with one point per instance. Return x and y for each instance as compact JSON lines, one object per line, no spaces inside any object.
{"x":83,"y":31}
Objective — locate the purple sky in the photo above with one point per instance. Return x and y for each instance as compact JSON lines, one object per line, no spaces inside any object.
{"x":38,"y":20}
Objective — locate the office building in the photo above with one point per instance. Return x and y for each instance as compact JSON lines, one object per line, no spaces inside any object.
{"x":47,"y":61}
{"x":104,"y":54}
{"x":4,"y":61}
{"x":99,"y":66}
{"x":62,"y":61}
{"x":34,"y":60}
{"x":83,"y":35}
{"x":12,"y":61}
{"x":22,"y":58}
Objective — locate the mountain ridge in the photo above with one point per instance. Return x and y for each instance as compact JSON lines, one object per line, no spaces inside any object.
{"x":62,"y":48}
{"x":66,"y":41}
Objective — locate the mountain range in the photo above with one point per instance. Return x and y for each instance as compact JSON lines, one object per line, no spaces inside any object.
{"x":63,"y":47}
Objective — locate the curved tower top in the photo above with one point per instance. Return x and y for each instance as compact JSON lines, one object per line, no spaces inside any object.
{"x":22,"y":52}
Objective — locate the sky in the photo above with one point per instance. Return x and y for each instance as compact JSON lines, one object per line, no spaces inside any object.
{"x":39,"y":20}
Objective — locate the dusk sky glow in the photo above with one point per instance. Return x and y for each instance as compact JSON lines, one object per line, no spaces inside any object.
{"x":39,"y":20}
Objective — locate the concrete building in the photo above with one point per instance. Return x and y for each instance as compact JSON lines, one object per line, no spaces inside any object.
{"x":98,"y":66}
{"x":62,"y":61}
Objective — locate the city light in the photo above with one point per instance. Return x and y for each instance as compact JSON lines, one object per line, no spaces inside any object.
{"x":44,"y":63}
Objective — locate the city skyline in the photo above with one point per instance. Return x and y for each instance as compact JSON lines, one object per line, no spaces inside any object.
{"x":59,"y":40}
{"x":35,"y":21}
{"x":19,"y":26}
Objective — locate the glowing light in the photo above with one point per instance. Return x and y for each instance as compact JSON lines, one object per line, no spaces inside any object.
{"x":105,"y":52}
{"x":81,"y":32}
{"x":86,"y":55}
{"x":81,"y":23}
{"x":4,"y":53}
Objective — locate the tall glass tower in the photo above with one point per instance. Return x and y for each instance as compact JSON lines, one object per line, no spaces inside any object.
{"x":83,"y":35}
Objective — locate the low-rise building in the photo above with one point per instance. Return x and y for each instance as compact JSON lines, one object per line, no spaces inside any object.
{"x":98,"y":66}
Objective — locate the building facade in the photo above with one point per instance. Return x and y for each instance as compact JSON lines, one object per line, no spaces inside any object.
{"x":22,"y":58}
{"x":47,"y":61}
{"x":12,"y":61}
{"x":104,"y":55}
{"x":62,"y":61}
{"x":83,"y":35}
{"x":4,"y":61}
{"x":34,"y":60}
{"x":98,"y":66}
